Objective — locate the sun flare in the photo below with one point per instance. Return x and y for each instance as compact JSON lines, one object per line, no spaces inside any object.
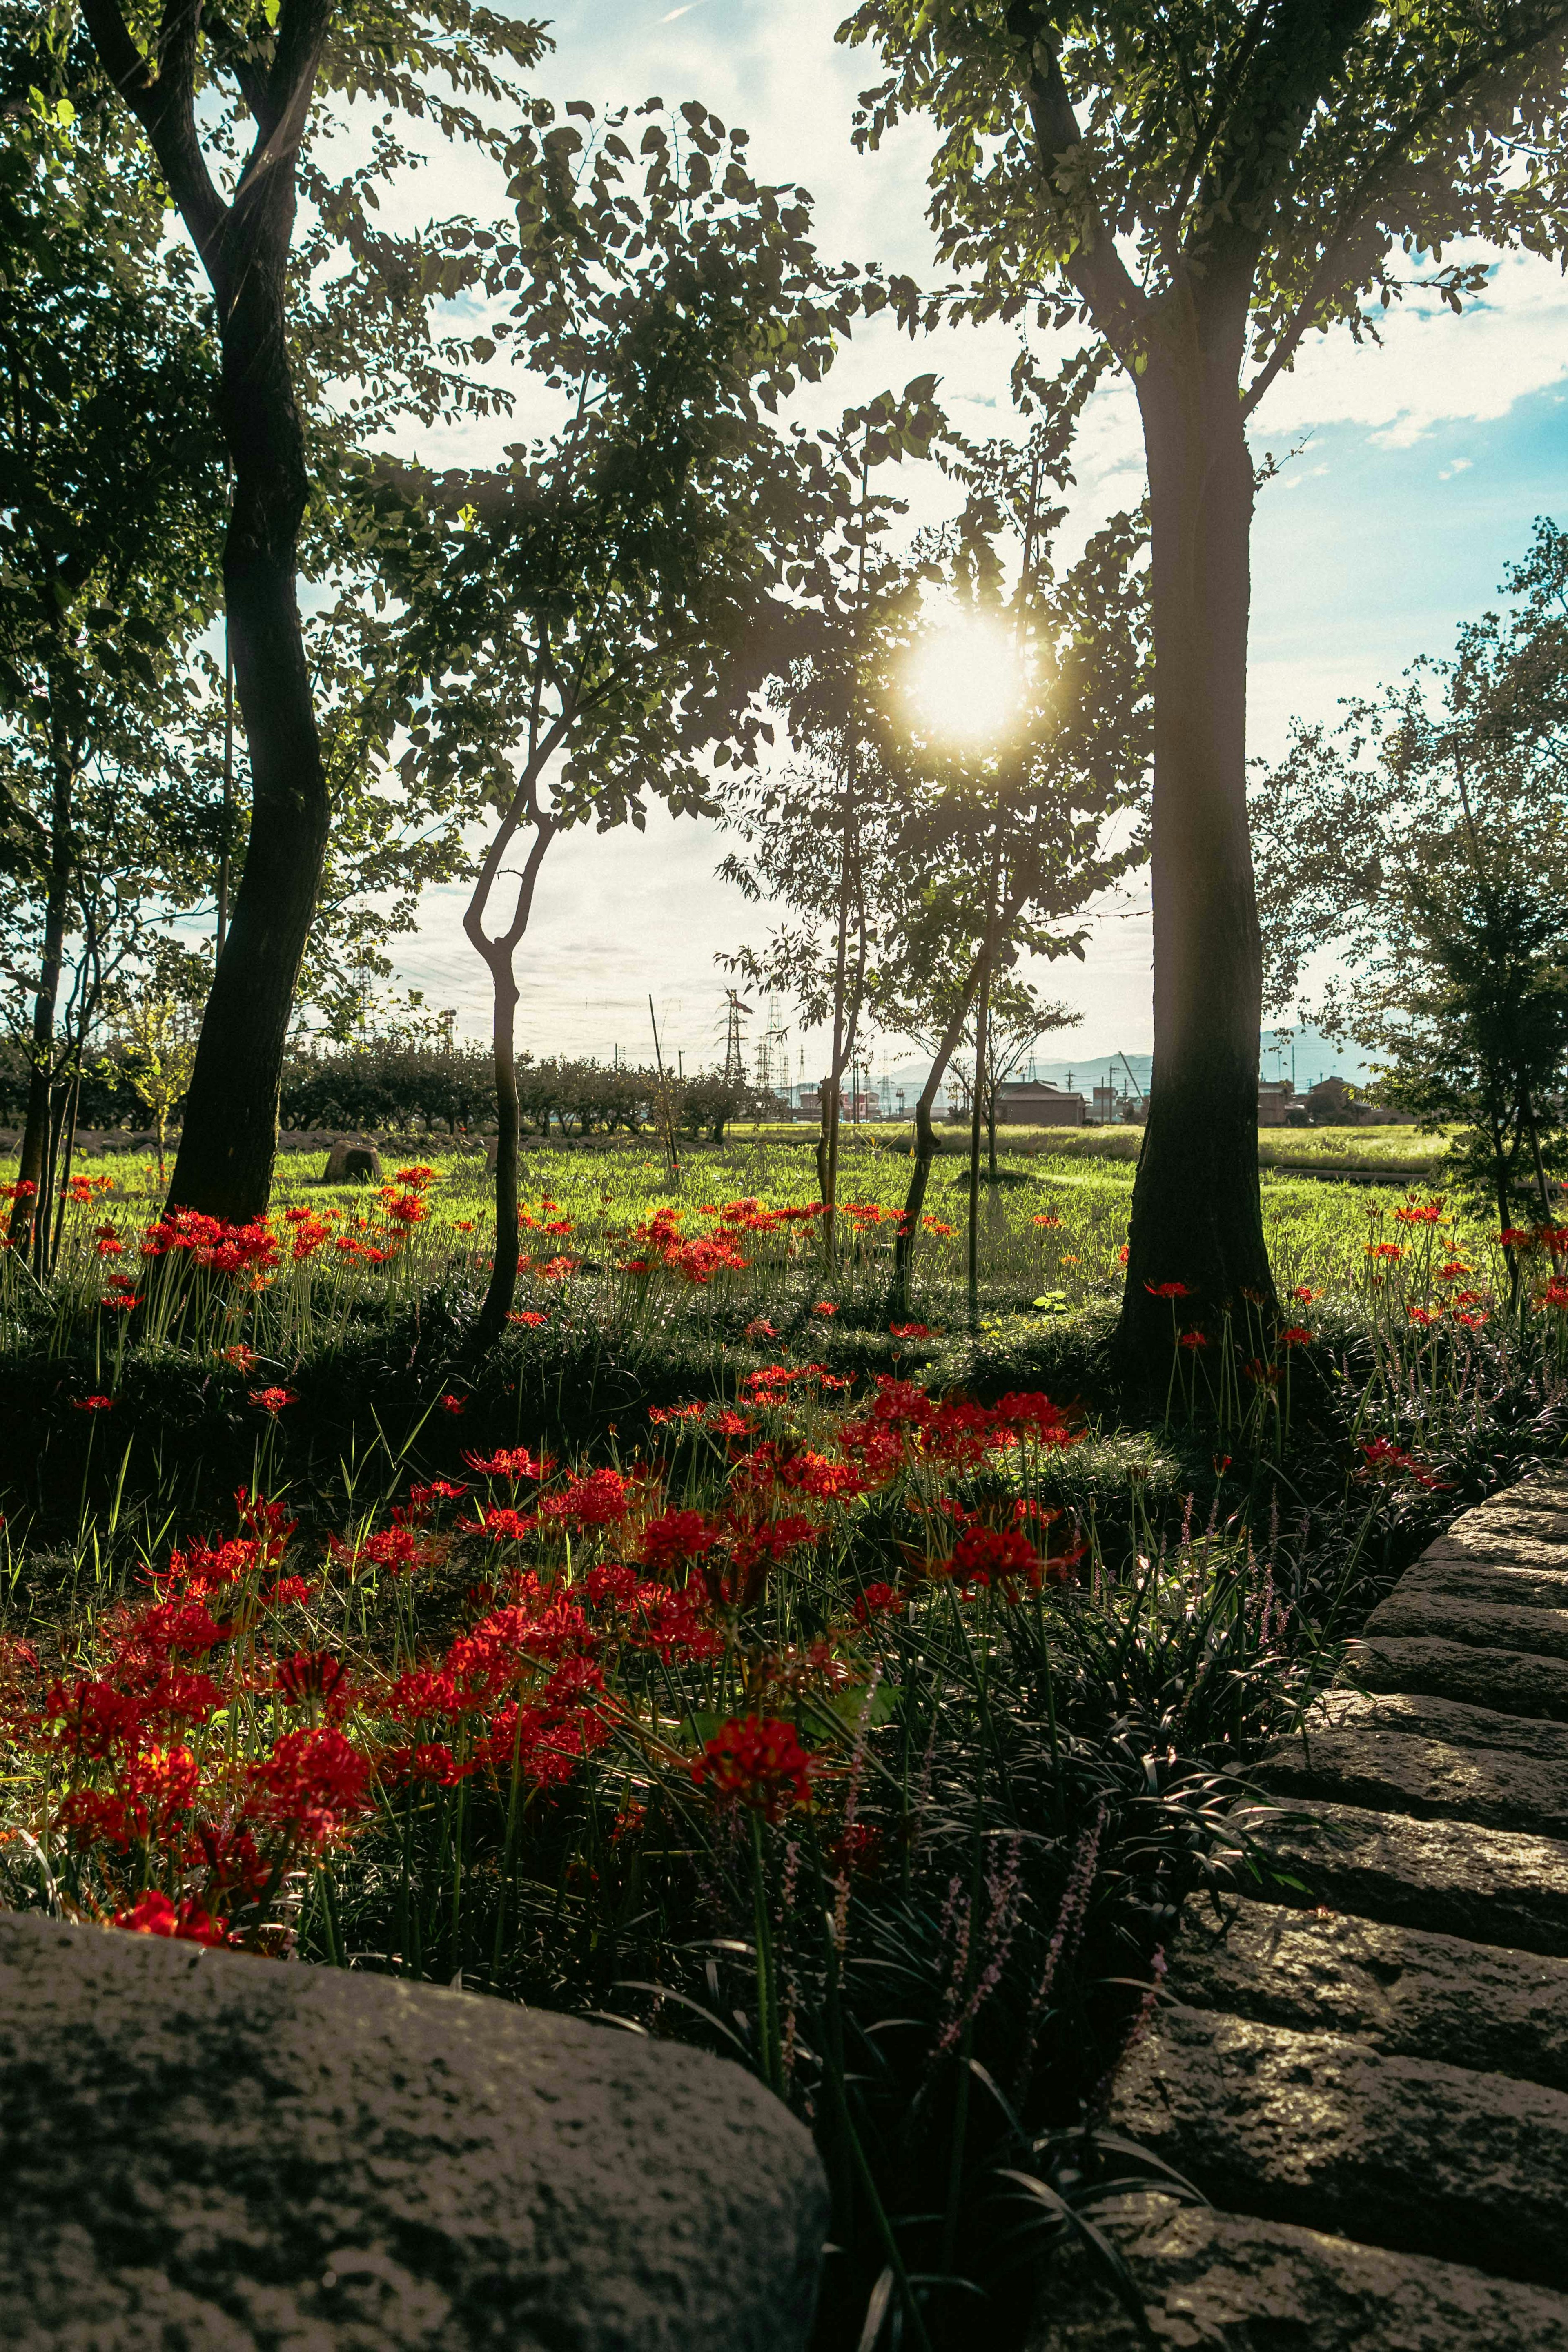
{"x":964,"y":682}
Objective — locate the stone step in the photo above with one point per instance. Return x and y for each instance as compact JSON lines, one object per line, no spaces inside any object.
{"x":1494,"y":1886}
{"x":1534,"y":1540}
{"x":1511,"y":1681}
{"x":1404,"y":1990}
{"x":1223,"y":2283}
{"x":1401,"y":1772}
{"x":1426,"y":1716}
{"x":1324,"y":2131}
{"x":1448,"y":1577}
{"x":1484,"y":1624}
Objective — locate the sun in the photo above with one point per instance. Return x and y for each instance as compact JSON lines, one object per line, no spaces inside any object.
{"x":963,"y":682}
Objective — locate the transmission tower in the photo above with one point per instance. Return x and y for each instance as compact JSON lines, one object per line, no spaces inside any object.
{"x":735,"y":1054}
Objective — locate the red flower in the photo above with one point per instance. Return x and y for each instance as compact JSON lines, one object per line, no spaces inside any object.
{"x":675,"y":1538}
{"x":155,"y":1914}
{"x":528,"y":1316}
{"x":1384,"y":1460}
{"x":94,"y":1405}
{"x":514,"y":1462}
{"x":910,"y":1330}
{"x":876,"y":1600}
{"x":312,"y":1782}
{"x":312,"y":1674}
{"x":1296,"y":1336}
{"x":1168,"y":1289}
{"x":1425,"y":1213}
{"x":759,"y":1328}
{"x":759,"y":1763}
{"x":825,"y":1307}
{"x":273,"y":1400}
{"x":450,"y":1404}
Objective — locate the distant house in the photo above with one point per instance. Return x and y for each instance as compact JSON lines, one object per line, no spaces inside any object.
{"x":1029,"y":1102}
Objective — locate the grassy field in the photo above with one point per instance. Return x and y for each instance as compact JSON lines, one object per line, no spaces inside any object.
{"x":859,"y":1700}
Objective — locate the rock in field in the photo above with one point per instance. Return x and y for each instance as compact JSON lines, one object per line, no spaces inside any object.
{"x":208,"y":2153}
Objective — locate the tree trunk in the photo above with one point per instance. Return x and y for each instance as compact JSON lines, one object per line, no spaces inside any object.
{"x":29,"y":1214}
{"x":925,"y":1134}
{"x":229,"y":1139}
{"x":1196,"y":1214}
{"x":503,"y":1270}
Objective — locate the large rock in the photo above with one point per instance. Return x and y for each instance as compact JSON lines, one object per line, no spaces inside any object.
{"x":1320,"y":2129}
{"x":1405,"y":1991}
{"x":1371,"y":1765}
{"x":1496,"y":1887}
{"x":352,"y":1160}
{"x":1220,"y":2283}
{"x":208,"y":2153}
{"x":1488,"y":1623}
{"x":1514,"y":1682}
{"x":1421,"y":1715}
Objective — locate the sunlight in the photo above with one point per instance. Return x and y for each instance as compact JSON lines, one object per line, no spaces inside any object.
{"x":964,"y":682}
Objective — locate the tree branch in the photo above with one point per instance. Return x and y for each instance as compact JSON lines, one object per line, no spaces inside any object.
{"x":1373,"y":181}
{"x":1118,"y":303}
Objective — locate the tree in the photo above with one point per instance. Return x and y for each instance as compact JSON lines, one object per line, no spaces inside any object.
{"x":156,"y":1028}
{"x":1207,"y":186}
{"x":112,"y":505}
{"x":589,"y":628}
{"x":1424,"y":844}
{"x":198,"y":83}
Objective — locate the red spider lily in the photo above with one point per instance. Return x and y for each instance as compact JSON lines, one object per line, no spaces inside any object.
{"x":1168,"y":1289}
{"x":94,"y":1405}
{"x":415,"y":1176}
{"x":825,"y":1307}
{"x":1388,"y":1251}
{"x":759,"y":1328}
{"x":877,"y":1601}
{"x":1384,"y":1459}
{"x":313,"y":1676}
{"x":597,"y":1499}
{"x":1555,"y":1294}
{"x":94,"y":1716}
{"x":1049,"y":1218}
{"x":724,"y":1422}
{"x":1455,"y":1271}
{"x":273,"y":1400}
{"x":910,"y":1330}
{"x":1194,"y":1339}
{"x":660,"y":1415}
{"x":1296,"y":1335}
{"x":1425,"y":1316}
{"x":153,"y":1914}
{"x":1517,"y":1237}
{"x":676,"y":1538}
{"x":501,"y":1526}
{"x":1302,"y":1296}
{"x":431,"y":1760}
{"x":311,"y":1785}
{"x":1263,"y":1375}
{"x":454,"y":1404}
{"x":1028,"y":1410}
{"x":527,"y":1316}
{"x":1424,"y":1212}
{"x":110,"y":1246}
{"x":437,"y":1490}
{"x":935,"y":1225}
{"x":758,"y":1763}
{"x":511,"y":1462}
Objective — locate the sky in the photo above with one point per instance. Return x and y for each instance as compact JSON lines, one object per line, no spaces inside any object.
{"x":1417,"y":472}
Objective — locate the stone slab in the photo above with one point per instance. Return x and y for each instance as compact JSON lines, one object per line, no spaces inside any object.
{"x":1425,"y":1716}
{"x":1401,"y":1772}
{"x":1223,"y":2282}
{"x":1323,"y":2131}
{"x":208,"y":2153}
{"x":1449,"y":1576}
{"x":1484,"y":1624}
{"x":1512,"y":1681}
{"x":1404,"y":1990}
{"x":1494,"y":1886}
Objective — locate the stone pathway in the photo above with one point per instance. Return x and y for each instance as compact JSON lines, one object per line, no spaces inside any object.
{"x":1372,"y":2088}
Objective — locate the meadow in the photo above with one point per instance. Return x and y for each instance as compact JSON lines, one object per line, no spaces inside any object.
{"x":863,"y":1701}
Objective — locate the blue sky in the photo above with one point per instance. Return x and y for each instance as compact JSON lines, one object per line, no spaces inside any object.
{"x":1422,"y":467}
